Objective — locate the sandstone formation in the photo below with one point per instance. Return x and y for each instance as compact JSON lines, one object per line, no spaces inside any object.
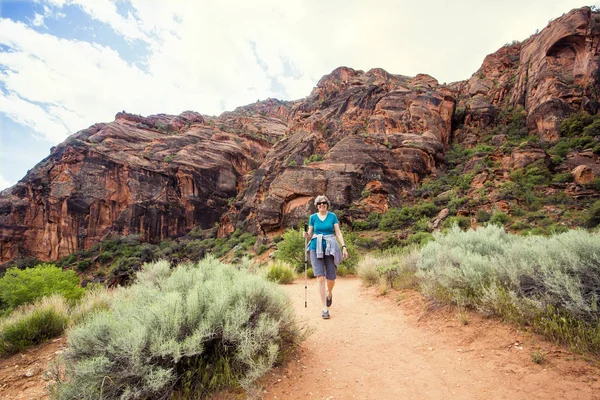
{"x":157,"y":176}
{"x":550,"y":75}
{"x":365,"y":138}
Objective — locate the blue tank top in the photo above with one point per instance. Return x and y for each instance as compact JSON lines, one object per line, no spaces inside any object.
{"x":324,"y":227}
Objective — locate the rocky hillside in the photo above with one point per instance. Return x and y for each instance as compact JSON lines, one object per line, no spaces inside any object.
{"x":521,"y":129}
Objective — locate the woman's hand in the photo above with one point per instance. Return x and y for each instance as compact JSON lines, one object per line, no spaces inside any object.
{"x":306,"y":235}
{"x":345,"y":253}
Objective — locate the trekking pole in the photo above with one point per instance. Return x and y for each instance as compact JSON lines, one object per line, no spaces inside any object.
{"x":305,"y":265}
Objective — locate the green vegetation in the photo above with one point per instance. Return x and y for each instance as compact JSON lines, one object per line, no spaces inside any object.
{"x":592,"y":219}
{"x":393,"y":268}
{"x":313,"y":158}
{"x":580,"y":131}
{"x":33,"y":324}
{"x":116,"y":259}
{"x":188,"y":331}
{"x":549,"y":283}
{"x":291,"y":250}
{"x":371,"y":222}
{"x":18,"y":287}
{"x":396,"y":218}
{"x":280,"y":272}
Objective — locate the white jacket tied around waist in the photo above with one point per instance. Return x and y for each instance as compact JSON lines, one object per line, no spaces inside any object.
{"x":332,"y":248}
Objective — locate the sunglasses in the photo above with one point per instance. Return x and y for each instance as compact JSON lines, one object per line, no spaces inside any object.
{"x":321,"y":203}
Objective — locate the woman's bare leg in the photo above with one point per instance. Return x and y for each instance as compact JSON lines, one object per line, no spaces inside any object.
{"x":322,"y":291}
{"x":330,"y":285}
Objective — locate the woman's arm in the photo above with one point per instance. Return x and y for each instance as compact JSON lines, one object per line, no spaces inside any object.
{"x":340,"y":239}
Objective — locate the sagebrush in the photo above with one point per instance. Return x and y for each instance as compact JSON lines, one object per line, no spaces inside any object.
{"x":196,"y":329}
{"x":551,"y":283}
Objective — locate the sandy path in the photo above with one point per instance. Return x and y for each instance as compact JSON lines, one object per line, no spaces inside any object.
{"x":373,"y":348}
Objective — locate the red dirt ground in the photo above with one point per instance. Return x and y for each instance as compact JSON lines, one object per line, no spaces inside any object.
{"x":394,"y":347}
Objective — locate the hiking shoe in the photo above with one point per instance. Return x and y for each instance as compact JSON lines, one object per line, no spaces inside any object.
{"x":329,"y":300}
{"x":325,"y":314}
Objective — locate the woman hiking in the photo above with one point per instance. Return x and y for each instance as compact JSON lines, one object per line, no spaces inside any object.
{"x":325,"y":251}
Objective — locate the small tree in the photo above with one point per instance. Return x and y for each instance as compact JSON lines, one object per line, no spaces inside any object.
{"x":291,"y":249}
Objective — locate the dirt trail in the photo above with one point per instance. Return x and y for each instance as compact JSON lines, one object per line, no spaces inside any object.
{"x":374,"y":348}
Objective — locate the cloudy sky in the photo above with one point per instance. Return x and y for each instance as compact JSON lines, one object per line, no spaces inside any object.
{"x":66,"y":64}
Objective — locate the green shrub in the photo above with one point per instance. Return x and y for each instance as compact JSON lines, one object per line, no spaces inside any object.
{"x":594,"y":184}
{"x":192,"y":330}
{"x":33,"y":324}
{"x":562,"y":178}
{"x":280,"y":272}
{"x":261,"y":249}
{"x":483,"y":216}
{"x":342,"y":270}
{"x":367,"y":270}
{"x":366,"y":243}
{"x":396,"y":269}
{"x":422,"y":225}
{"x":550,"y":283}
{"x":19,"y":287}
{"x":592,"y":218}
{"x":291,"y":249}
{"x":96,"y":300}
{"x":313,"y":158}
{"x":419,"y":238}
{"x":310,"y":273}
{"x":500,"y":218}
{"x":371,"y":222}
{"x":395,"y":218}
{"x":461,"y":221}
{"x":575,"y":124}
{"x":83,"y":265}
{"x":353,"y":256}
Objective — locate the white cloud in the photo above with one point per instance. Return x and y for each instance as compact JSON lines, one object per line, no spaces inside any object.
{"x":213,"y":56}
{"x":38,"y":20}
{"x":5,"y":183}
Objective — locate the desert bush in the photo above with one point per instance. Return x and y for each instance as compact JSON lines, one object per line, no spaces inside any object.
{"x":96,"y":300}
{"x":19,"y":287}
{"x":396,"y":269}
{"x":279,"y":272}
{"x":193,"y":330}
{"x":533,"y":280}
{"x":353,"y":256}
{"x":33,"y":324}
{"x":371,"y":222}
{"x":500,"y":218}
{"x":461,"y":221}
{"x":367,"y":270}
{"x":366,"y":243}
{"x":395,"y":218}
{"x":291,"y":249}
{"x":592,"y":217}
{"x":419,"y":238}
{"x":483,"y":216}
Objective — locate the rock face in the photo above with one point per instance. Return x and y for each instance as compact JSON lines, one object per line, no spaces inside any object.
{"x":157,"y":176}
{"x":550,"y":75}
{"x":360,"y":138}
{"x":364,"y":139}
